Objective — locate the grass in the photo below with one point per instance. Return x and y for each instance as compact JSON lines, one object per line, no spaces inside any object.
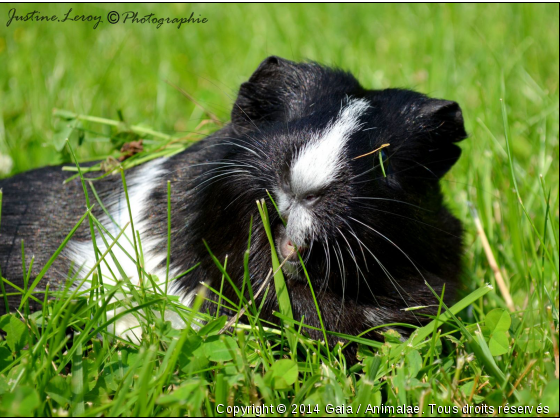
{"x":500,"y":62}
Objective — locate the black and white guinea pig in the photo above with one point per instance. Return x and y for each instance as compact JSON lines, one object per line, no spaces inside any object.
{"x":371,"y":228}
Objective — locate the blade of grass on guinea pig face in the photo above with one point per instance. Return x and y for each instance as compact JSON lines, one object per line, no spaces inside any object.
{"x":279,"y":281}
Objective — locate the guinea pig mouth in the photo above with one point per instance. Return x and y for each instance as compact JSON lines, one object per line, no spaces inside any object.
{"x":288,"y":254}
{"x":287,"y":249}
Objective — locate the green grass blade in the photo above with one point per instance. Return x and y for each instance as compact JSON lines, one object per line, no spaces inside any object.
{"x":421,"y":333}
{"x":77,"y":382}
{"x":131,"y":225}
{"x":279,"y":282}
{"x":168,"y":261}
{"x":51,"y":260}
{"x":90,"y":219}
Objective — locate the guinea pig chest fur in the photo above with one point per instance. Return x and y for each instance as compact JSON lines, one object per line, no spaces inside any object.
{"x":354,"y":177}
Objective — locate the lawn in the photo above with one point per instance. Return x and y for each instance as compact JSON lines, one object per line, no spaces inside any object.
{"x":494,"y":353}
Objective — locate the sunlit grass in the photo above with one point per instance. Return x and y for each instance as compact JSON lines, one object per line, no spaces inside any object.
{"x":499,"y":62}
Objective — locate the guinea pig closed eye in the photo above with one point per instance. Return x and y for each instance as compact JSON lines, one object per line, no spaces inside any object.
{"x":354,"y":174}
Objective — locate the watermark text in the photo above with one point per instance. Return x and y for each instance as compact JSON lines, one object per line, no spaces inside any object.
{"x":130,"y":17}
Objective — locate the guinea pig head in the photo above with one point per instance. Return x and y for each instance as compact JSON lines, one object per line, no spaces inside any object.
{"x":353,"y":173}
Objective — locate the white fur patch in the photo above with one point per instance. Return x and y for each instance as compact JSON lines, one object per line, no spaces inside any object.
{"x":300,"y":223}
{"x":300,"y":219}
{"x":140,"y":186}
{"x":128,"y":326}
{"x":318,"y":163}
{"x":316,"y":166}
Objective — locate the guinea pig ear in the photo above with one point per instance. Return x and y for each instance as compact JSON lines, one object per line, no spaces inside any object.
{"x":281,"y":90}
{"x":445,"y":127}
{"x":263,"y":97}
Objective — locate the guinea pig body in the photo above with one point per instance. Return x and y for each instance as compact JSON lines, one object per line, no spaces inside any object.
{"x":355,"y":176}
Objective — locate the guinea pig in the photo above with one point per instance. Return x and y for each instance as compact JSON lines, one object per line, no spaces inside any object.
{"x":354,"y":175}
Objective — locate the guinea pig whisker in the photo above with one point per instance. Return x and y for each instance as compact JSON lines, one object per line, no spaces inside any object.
{"x":411,"y":167}
{"x":409,"y":218}
{"x":329,"y":265}
{"x":228,"y":179}
{"x":394,"y":244}
{"x":428,"y":163}
{"x":327,"y":260}
{"x":358,"y":269}
{"x":234,"y":176}
{"x":217,"y":179}
{"x":326,"y":279}
{"x":391,"y":199}
{"x":227,"y":141}
{"x":228,"y":172}
{"x":246,"y":192}
{"x":219,"y":170}
{"x":252,"y":143}
{"x":343,"y":269}
{"x":235,"y":104}
{"x":360,"y":243}
{"x":308,"y":252}
{"x":242,"y":162}
{"x":365,"y":282}
{"x":222,"y":162}
{"x":235,"y":164}
{"x":342,"y":272}
{"x":363,"y":173}
{"x":242,"y":147}
{"x":376,"y":259}
{"x":350,"y":251}
{"x":393,"y":281}
{"x":222,"y":166}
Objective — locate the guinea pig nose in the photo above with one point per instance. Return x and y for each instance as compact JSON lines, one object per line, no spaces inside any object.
{"x":288,"y":250}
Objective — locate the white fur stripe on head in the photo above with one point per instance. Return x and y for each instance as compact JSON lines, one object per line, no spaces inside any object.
{"x":318,"y":163}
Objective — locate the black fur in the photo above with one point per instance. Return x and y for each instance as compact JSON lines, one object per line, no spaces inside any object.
{"x":400,"y":218}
